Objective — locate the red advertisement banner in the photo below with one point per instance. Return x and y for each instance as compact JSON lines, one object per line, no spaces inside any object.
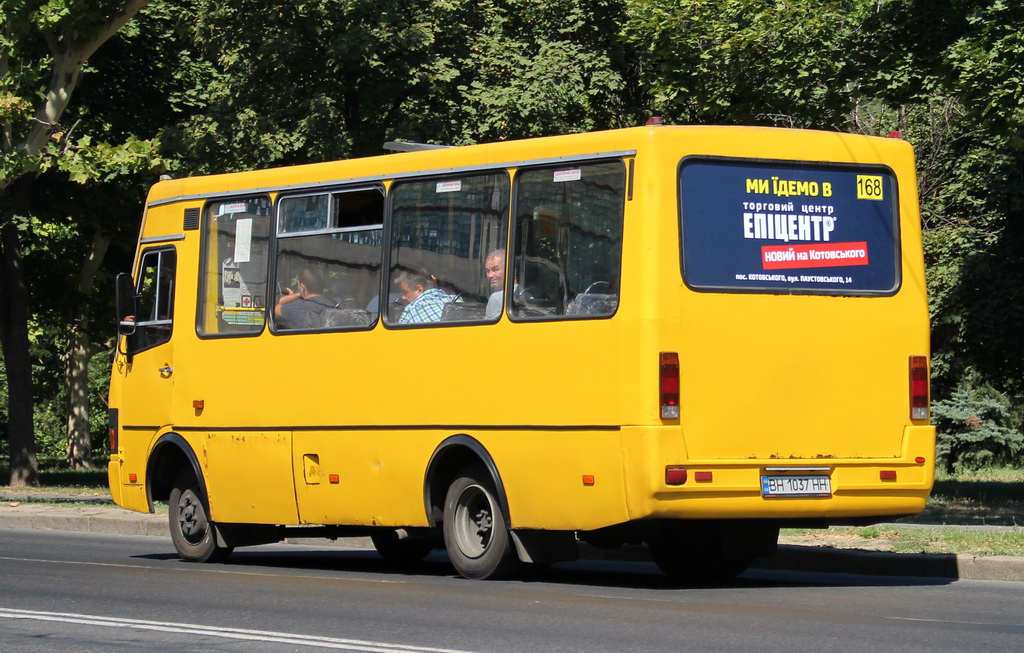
{"x":816,"y":255}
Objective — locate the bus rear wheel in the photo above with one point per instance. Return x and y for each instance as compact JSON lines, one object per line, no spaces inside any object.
{"x":692,"y":554}
{"x":478,"y":543}
{"x":189,"y":522}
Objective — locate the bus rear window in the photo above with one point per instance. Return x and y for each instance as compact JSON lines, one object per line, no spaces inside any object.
{"x":785,"y":228}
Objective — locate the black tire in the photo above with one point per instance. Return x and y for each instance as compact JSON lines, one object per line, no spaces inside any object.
{"x":188,"y":519}
{"x":399,"y":551}
{"x":478,"y":543}
{"x":693,"y":555}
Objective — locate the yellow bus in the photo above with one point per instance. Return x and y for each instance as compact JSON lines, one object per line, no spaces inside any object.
{"x":681,"y":336}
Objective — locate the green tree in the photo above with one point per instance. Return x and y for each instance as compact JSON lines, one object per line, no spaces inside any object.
{"x":128,"y":99}
{"x":974,"y":427}
{"x":912,"y":51}
{"x":44,"y":47}
{"x":323,"y":80}
{"x":760,"y":62}
{"x":955,"y":70}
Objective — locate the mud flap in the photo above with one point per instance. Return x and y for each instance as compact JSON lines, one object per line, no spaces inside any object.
{"x":546,"y":546}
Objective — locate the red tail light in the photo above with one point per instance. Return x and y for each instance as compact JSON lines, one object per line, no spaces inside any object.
{"x":668,"y":384}
{"x":675,"y":475}
{"x":918,"y":387}
{"x":112,"y":425}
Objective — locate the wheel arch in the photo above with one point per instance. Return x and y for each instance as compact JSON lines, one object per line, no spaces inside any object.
{"x":170,"y":454}
{"x":449,"y":458}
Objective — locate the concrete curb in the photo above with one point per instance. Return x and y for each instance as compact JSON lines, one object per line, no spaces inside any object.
{"x":884,"y":563}
{"x":81,"y":519}
{"x":102,"y":518}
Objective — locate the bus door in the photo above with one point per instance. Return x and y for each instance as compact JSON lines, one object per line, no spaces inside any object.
{"x":145,"y":361}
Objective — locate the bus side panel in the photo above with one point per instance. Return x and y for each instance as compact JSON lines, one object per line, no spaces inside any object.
{"x":248,"y":476}
{"x":561,"y":480}
{"x":359,"y":478}
{"x":552,"y":480}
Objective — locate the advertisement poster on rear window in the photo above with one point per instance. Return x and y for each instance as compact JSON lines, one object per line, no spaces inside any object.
{"x":786,"y":228}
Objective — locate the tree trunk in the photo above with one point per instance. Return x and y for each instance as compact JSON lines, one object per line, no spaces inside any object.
{"x":79,"y":447}
{"x":69,"y":57}
{"x":14,"y":340}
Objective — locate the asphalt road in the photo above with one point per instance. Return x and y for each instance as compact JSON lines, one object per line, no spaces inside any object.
{"x":84,"y":592}
{"x":103,"y":517}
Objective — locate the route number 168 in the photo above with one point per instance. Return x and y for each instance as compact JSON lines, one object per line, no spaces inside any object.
{"x":869,"y":187}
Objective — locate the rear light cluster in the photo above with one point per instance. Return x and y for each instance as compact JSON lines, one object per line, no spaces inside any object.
{"x":677,"y":476}
{"x":112,"y":425}
{"x":668,"y":384}
{"x":918,"y":387}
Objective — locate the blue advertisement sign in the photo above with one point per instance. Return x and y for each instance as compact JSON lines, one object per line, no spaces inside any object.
{"x":789,"y":228}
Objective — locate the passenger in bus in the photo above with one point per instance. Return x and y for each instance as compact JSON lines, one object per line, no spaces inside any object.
{"x":494,"y":269}
{"x":424,"y":300}
{"x":298,"y":309}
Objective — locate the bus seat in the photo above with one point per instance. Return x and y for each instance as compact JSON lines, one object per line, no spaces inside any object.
{"x":345,"y":317}
{"x":457,"y":311}
{"x":593,"y":304}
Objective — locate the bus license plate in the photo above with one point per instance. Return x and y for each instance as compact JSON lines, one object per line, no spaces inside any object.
{"x":796,"y":486}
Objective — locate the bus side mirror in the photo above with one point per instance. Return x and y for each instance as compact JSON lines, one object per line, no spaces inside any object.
{"x":127,"y":304}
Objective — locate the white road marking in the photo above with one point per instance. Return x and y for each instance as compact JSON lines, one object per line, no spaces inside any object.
{"x":225,"y":633}
{"x":206,"y":569}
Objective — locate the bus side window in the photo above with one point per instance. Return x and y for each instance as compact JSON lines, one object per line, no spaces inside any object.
{"x":236,"y":246}
{"x":568,"y":241}
{"x":155,"y":291}
{"x":444,"y":231}
{"x":328,"y":260}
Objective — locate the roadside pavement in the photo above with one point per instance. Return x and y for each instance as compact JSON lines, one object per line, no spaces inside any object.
{"x":99,"y":515}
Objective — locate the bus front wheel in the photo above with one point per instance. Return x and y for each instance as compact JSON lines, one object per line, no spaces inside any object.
{"x":475,"y":535}
{"x":400,"y":551}
{"x":191,"y":528}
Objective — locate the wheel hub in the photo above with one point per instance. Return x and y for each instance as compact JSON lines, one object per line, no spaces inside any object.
{"x":474,"y":522}
{"x":191,"y":517}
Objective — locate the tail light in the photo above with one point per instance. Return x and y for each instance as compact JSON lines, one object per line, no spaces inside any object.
{"x":675,"y":475}
{"x":668,"y":385}
{"x":112,"y":425}
{"x":918,"y":387}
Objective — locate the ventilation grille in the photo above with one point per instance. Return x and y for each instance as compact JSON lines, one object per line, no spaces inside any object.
{"x":191,"y":219}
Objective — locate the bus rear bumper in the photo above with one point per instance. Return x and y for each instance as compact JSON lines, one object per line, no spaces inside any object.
{"x":829,"y":490}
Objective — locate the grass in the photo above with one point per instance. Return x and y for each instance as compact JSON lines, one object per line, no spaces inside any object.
{"x":55,"y":480}
{"x":907,"y":538}
{"x":988,"y":497}
{"x":952,"y":540}
{"x":985,"y":497}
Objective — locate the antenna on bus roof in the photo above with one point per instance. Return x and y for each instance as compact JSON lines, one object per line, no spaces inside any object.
{"x":411,"y":146}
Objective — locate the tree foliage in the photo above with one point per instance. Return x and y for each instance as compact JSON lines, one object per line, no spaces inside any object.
{"x":975,"y":427}
{"x":44,"y":48}
{"x":321,"y":80}
{"x":953,"y":69}
{"x":746,"y":61}
{"x":911,"y":51}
